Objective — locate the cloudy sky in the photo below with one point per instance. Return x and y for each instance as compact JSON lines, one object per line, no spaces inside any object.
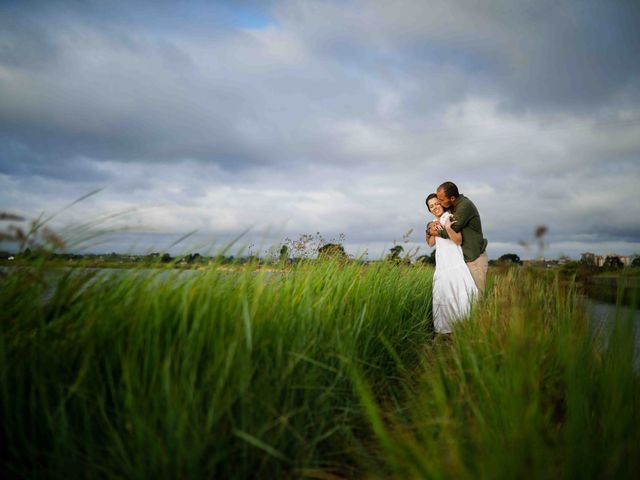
{"x":289,"y":117}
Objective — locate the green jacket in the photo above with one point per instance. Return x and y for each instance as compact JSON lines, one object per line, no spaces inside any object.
{"x":468,"y":222}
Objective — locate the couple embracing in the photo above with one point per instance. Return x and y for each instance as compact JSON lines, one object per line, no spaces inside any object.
{"x":461,"y":257}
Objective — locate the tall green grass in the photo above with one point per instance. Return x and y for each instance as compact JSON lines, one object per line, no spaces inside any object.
{"x":210,"y":374}
{"x":525,"y":389}
{"x":328,"y":369}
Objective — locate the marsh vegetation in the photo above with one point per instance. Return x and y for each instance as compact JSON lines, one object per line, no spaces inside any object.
{"x":328,"y":369}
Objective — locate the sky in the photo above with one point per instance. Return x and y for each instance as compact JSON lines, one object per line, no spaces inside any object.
{"x":258,"y":121}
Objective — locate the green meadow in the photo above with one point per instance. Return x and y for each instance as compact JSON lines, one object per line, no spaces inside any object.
{"x":327,"y":370}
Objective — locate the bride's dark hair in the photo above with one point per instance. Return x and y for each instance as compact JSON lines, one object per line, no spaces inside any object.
{"x":433,"y":195}
{"x":429,"y":197}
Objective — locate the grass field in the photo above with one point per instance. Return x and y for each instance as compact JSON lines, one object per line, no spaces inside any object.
{"x":329,"y":370}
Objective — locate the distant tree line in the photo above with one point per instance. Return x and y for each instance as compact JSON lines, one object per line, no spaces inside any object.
{"x":506,"y":260}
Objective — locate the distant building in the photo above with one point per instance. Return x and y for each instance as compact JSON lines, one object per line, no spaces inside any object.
{"x":589,"y":258}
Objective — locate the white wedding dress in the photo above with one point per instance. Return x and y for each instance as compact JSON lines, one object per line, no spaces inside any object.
{"x":453,"y":287}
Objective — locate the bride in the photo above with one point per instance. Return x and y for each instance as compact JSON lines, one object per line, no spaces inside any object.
{"x":453,"y":287}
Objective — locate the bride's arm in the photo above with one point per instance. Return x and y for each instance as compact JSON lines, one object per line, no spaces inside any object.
{"x":429,"y":235}
{"x":431,"y":240}
{"x":453,"y":235}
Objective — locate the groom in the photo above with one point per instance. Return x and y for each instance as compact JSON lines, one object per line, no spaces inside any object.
{"x":467,"y":221}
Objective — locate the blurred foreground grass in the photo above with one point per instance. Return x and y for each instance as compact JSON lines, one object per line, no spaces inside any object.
{"x":329,"y":370}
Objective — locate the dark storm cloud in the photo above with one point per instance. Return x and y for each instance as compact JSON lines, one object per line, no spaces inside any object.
{"x":121,"y":88}
{"x":25,"y":44}
{"x":534,"y":54}
{"x":158,"y":83}
{"x":18,"y":159}
{"x":577,"y":54}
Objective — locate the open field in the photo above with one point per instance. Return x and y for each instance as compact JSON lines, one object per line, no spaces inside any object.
{"x":329,"y":370}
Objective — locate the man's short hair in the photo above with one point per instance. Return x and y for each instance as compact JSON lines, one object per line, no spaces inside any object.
{"x":449,"y":189}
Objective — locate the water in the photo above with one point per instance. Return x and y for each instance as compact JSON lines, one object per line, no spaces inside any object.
{"x":602,"y":316}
